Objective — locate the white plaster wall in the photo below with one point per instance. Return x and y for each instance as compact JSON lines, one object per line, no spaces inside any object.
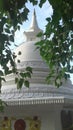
{"x":28,"y":52}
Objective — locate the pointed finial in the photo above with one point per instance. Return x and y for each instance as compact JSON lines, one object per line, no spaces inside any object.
{"x":32,"y":32}
{"x":34,"y":12}
{"x":34,"y":23}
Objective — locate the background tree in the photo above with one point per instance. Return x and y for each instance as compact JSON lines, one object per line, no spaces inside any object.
{"x":58,"y":38}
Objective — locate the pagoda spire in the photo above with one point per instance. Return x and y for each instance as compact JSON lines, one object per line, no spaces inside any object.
{"x":34,"y":24}
{"x":31,"y":33}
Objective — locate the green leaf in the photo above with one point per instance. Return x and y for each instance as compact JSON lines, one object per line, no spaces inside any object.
{"x":42,"y":2}
{"x":7,"y":30}
{"x":58,"y":82}
{"x":1,"y":5}
{"x":18,"y":27}
{"x":11,"y":38}
{"x":2,"y":105}
{"x":24,"y":14}
{"x":34,"y":2}
{"x":3,"y":79}
{"x":29,"y":69}
{"x":40,"y":34}
{"x":20,"y":83}
{"x":28,"y":74}
{"x":16,"y":80}
{"x":1,"y":73}
{"x":23,"y":74}
{"x":26,"y":83}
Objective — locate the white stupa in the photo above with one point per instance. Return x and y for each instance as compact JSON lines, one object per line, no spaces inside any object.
{"x":41,"y":106}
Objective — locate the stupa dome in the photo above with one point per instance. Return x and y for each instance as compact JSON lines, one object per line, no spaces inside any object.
{"x":30,"y":56}
{"x":28,"y":49}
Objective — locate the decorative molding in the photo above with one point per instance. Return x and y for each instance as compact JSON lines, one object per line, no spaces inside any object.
{"x":49,"y":100}
{"x":33,"y":64}
{"x":35,"y":92}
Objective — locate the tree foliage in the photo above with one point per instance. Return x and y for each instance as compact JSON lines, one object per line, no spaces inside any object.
{"x":56,"y":48}
{"x":12,"y":14}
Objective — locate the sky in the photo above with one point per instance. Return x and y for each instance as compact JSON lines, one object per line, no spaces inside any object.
{"x":41,"y":15}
